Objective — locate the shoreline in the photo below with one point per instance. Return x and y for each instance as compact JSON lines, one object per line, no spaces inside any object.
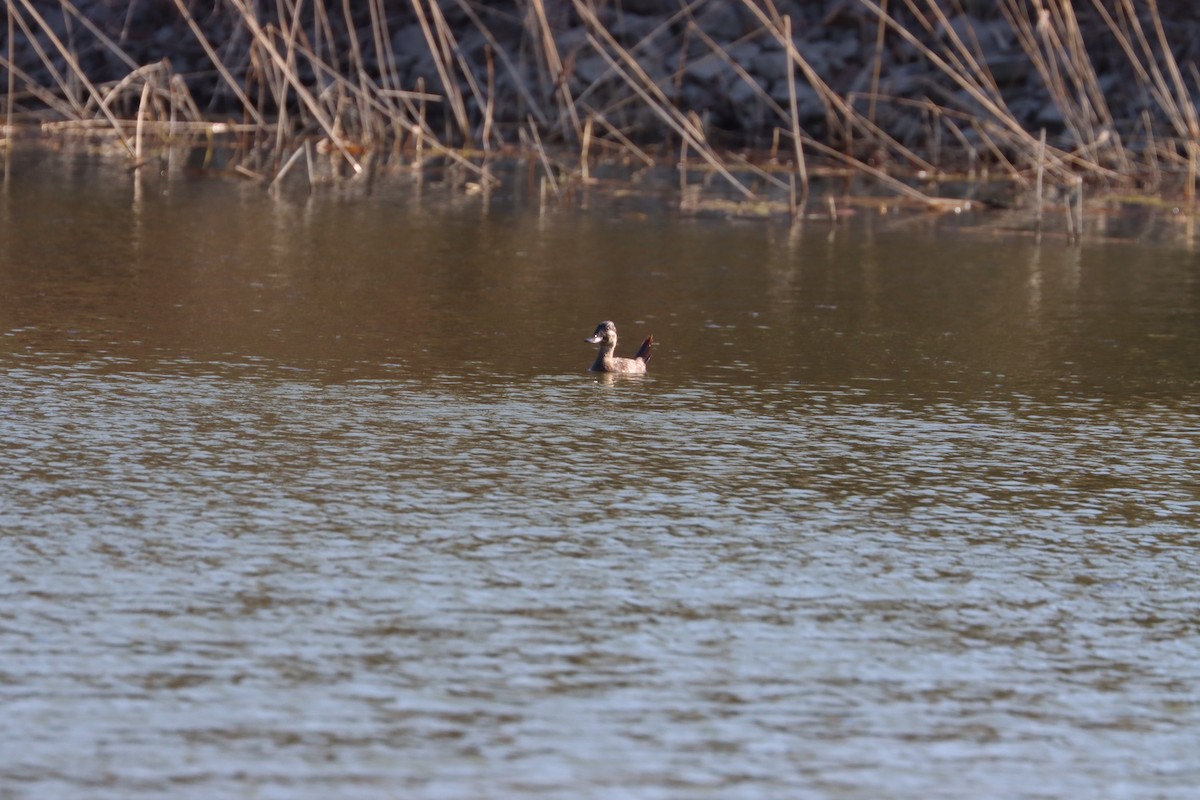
{"x":757,"y":97}
{"x":977,"y":205}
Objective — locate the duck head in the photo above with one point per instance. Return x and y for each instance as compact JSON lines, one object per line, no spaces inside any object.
{"x":605,"y":332}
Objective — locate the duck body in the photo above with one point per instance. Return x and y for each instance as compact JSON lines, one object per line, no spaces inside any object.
{"x":606,"y":336}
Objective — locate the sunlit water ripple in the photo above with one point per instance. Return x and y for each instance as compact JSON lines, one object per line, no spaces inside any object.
{"x":310,"y":496}
{"x":241,"y":580}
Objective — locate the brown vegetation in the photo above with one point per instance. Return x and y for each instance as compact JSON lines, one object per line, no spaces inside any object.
{"x":1031,"y":91}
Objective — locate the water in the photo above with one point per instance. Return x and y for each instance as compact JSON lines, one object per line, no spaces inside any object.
{"x":315,"y":498}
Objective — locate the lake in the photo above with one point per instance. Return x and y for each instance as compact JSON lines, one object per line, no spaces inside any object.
{"x":314,"y":497}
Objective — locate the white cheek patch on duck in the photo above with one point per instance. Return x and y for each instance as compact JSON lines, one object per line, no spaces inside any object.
{"x":606,"y":337}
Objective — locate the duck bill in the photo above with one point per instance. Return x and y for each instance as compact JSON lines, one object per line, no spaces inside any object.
{"x":595,"y":338}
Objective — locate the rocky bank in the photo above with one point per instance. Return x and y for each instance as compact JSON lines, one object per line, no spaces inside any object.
{"x":520,"y":60}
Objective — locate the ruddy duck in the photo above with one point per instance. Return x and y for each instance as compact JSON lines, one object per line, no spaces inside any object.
{"x":606,"y":337}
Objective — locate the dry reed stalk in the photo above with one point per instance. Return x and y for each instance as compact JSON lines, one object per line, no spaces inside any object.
{"x":160,"y":128}
{"x":141,"y":117}
{"x":513,"y":71}
{"x":489,"y":109}
{"x":800,"y":167}
{"x":1054,"y":44}
{"x":645,"y":42}
{"x":112,"y":46}
{"x":179,"y":88}
{"x":357,"y":65}
{"x":967,"y":59}
{"x":545,"y":159}
{"x":441,"y":64}
{"x":677,"y":78}
{"x":305,"y":96}
{"x":675,"y":119}
{"x":1172,"y":96}
{"x":836,"y":107}
{"x":989,"y":141}
{"x":1182,"y":95}
{"x":140,"y":74}
{"x":1093,"y":106}
{"x":323,"y":32}
{"x":554,"y":63}
{"x":1064,"y":164}
{"x":233,"y":85}
{"x":1189,"y":187}
{"x":652,"y":95}
{"x":1078,"y":209}
{"x":1037,"y":197}
{"x":861,"y":166}
{"x":8,"y":115}
{"x":389,"y":74}
{"x":621,"y":138}
{"x":172,"y":118}
{"x":947,"y":116}
{"x":723,"y":55}
{"x":290,"y":33}
{"x":422,"y":126}
{"x":965,"y":144}
{"x":584,"y":148}
{"x":1070,"y":217}
{"x":682,"y":166}
{"x":1151,"y":149}
{"x":877,"y":62}
{"x":976,"y":84}
{"x":283,"y":171}
{"x":73,"y":62}
{"x":418,"y":129}
{"x":249,"y":173}
{"x":450,"y":45}
{"x":47,"y":61}
{"x":758,"y":171}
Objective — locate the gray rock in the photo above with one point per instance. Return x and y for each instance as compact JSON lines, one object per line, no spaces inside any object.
{"x":743,"y":54}
{"x":409,"y":45}
{"x":694,"y":97}
{"x":808,"y":102}
{"x":743,"y":95}
{"x":631,"y":29}
{"x":903,"y":81}
{"x":707,"y":70}
{"x":721,"y":20}
{"x":1009,"y":68}
{"x":571,"y":39}
{"x":1049,"y":115}
{"x":590,"y":68}
{"x":651,"y":7}
{"x":770,"y":66}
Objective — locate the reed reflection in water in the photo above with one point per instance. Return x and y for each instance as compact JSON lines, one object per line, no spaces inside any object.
{"x":327,"y":506}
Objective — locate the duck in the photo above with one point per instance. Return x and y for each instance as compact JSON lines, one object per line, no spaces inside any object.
{"x":606,"y":336}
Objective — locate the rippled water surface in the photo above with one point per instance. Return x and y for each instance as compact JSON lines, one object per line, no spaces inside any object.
{"x":314,"y":498}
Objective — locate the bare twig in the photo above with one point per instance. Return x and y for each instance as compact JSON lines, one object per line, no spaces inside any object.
{"x":302,"y":92}
{"x":800,"y":167}
{"x":441,"y":60}
{"x":652,"y":95}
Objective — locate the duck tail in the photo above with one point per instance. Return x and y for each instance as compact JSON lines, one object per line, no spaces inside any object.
{"x":644,"y":351}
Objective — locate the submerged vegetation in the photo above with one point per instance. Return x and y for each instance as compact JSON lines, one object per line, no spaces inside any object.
{"x":761,"y":97}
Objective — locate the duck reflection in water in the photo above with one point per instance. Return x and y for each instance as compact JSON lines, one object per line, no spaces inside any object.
{"x":606,"y":337}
